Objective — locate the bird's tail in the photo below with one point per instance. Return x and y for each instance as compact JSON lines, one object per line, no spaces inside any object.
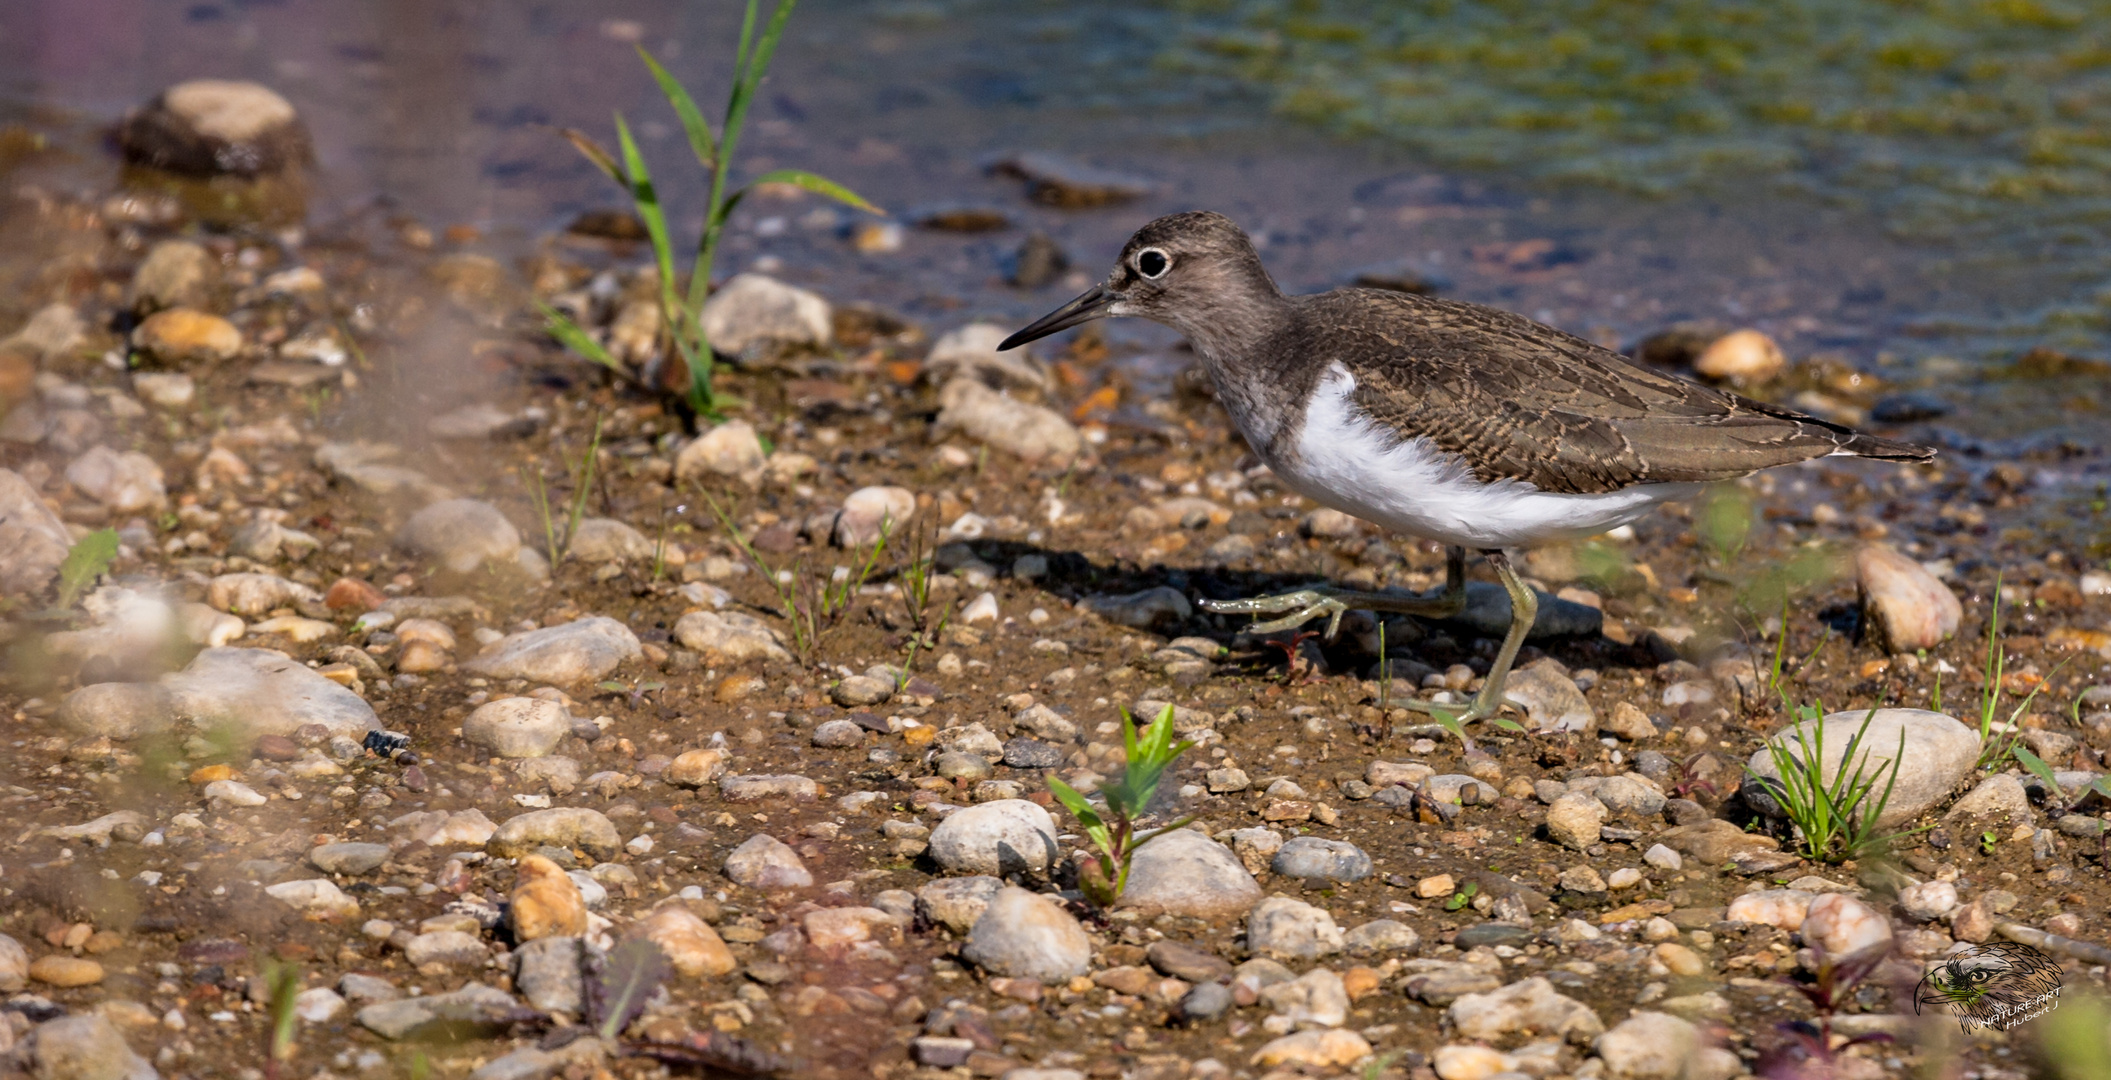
{"x":1856,"y":444}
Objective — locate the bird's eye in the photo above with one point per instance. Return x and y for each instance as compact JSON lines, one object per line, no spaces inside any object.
{"x":1153,"y":263}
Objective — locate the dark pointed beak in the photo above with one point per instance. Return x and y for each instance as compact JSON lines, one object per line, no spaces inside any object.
{"x":1092,"y":305}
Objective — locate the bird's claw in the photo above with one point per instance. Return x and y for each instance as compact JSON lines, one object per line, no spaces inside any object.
{"x":1304,"y":606}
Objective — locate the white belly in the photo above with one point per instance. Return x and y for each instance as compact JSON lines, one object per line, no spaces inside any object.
{"x":1347,"y":462}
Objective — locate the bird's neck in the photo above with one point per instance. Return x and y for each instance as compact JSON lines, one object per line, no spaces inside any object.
{"x":1235,"y":341}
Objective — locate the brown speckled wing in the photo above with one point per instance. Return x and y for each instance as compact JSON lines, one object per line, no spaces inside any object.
{"x":1519,"y":400}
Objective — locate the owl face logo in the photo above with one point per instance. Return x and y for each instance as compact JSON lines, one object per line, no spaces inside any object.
{"x":1996,"y":985}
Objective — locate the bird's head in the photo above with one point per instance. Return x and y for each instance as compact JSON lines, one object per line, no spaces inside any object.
{"x":1190,"y":271}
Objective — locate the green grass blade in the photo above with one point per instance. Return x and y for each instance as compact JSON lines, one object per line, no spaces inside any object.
{"x":574,"y":337}
{"x":693,"y":124}
{"x":595,"y":153}
{"x":86,"y":561}
{"x":819,"y":185}
{"x":2039,"y":769}
{"x":747,"y":38}
{"x":650,"y":211}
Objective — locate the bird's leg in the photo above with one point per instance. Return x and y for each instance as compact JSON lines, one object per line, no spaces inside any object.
{"x":1305,"y":605}
{"x":1524,"y":610}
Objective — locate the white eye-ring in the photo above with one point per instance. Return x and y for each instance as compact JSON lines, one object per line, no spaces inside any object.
{"x":1153,"y":263}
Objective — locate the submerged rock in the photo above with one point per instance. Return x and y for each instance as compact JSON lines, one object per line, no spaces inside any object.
{"x":210,"y":127}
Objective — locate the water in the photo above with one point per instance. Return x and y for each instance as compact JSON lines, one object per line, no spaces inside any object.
{"x":1919,"y":191}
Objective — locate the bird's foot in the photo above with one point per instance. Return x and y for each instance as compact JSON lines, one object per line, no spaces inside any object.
{"x":1304,"y":605}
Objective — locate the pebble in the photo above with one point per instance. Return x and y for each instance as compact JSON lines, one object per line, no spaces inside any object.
{"x":1024,"y":935}
{"x":971,"y":351}
{"x":481,"y":420}
{"x":472,"y":1004}
{"x":1663,"y":858}
{"x":185,"y":336}
{"x":1583,"y":879}
{"x":461,"y":830}
{"x":753,"y":312}
{"x":569,"y":654}
{"x":869,"y":512}
{"x":545,"y":901}
{"x":1312,"y":857}
{"x":2000,"y":797}
{"x":1021,"y":752}
{"x":175,"y":273}
{"x":691,"y":945}
{"x":565,"y":827}
{"x":1031,"y":432}
{"x":1840,"y":924}
{"x":1909,"y":607}
{"x":1575,"y":820}
{"x":730,"y":449}
{"x":126,"y":483}
{"x":1741,"y":357}
{"x":1649,"y":1046}
{"x":1381,"y":936}
{"x":1929,"y":900}
{"x":956,"y":903}
{"x":838,"y":734}
{"x":730,"y":637}
{"x":450,"y":948}
{"x":861,"y":690}
{"x":1629,"y":722}
{"x":1321,"y":1049}
{"x":1714,"y":841}
{"x":1002,"y":838}
{"x":764,"y":862}
{"x":85,"y":1047}
{"x":606,"y":540}
{"x":1941,"y":752}
{"x":1783,"y":909}
{"x":518,"y":727}
{"x":348,"y":858}
{"x":1046,"y":723}
{"x":1285,"y":929}
{"x":66,"y":971}
{"x":1550,"y":698}
{"x":33,"y":540}
{"x":1185,"y":873}
{"x":14,"y":965}
{"x":256,"y":594}
{"x":546,"y":972}
{"x":209,"y":127}
{"x":759,"y":787}
{"x":316,"y":896}
{"x":318,"y":1005}
{"x":1206,"y":1001}
{"x":462,"y":535}
{"x":1626,"y":877}
{"x":1160,"y":607}
{"x":1314,"y":999}
{"x":1528,"y":1005}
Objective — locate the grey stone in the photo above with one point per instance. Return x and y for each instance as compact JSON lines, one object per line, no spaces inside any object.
{"x":462,"y":535}
{"x":1024,"y":935}
{"x":547,"y":973}
{"x":756,"y":312}
{"x":33,"y":541}
{"x":518,"y":727}
{"x":565,"y":827}
{"x":1031,"y":432}
{"x":1487,"y":613}
{"x":569,"y":654}
{"x":1155,"y":608}
{"x":473,"y":1004}
{"x":1998,"y":797}
{"x":1650,"y":1046}
{"x":1009,"y":836}
{"x":1491,"y":933}
{"x":1550,"y":698}
{"x":127,"y":483}
{"x":1206,"y":1001}
{"x":1046,"y":723}
{"x":1381,"y":936}
{"x":216,"y":127}
{"x":256,"y":594}
{"x":1527,"y":1005}
{"x":870,"y":512}
{"x":1285,"y":929}
{"x":1939,"y":752}
{"x":1314,"y":999}
{"x":348,"y":858}
{"x":483,"y":420}
{"x":729,"y":637}
{"x":371,"y":468}
{"x":1024,"y":753}
{"x":453,"y":948}
{"x":526,"y":1063}
{"x":838,"y":734}
{"x":86,"y":1047}
{"x":1184,"y":961}
{"x":757,"y":788}
{"x":1186,"y":873}
{"x":118,"y":710}
{"x":857,"y":691}
{"x":604,"y":540}
{"x":1312,"y":857}
{"x":1908,"y":607}
{"x":1623,"y":796}
{"x":1575,"y":820}
{"x":14,"y":965}
{"x":957,"y":902}
{"x":264,"y":692}
{"x":971,"y":351}
{"x":764,"y":862}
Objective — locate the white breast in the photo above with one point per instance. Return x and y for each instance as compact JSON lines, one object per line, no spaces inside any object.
{"x":1346,"y":461}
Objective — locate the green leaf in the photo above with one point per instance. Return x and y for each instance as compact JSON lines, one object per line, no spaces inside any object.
{"x":611,"y":685}
{"x":619,"y":993}
{"x":1508,"y":724}
{"x":1073,"y":802}
{"x":819,"y":185}
{"x":595,"y":153}
{"x":572,"y":336}
{"x":2102,"y":786}
{"x":89,"y":557}
{"x":700,"y":138}
{"x":2039,"y":769}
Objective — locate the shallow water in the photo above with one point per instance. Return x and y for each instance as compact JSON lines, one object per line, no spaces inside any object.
{"x":1932,"y":207}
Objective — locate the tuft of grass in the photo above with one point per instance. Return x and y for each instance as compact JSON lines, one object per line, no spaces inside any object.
{"x":88,"y":559}
{"x":799,"y":614}
{"x":1114,"y":832}
{"x":681,"y":315}
{"x":1837,"y":821}
{"x":282,"y":982}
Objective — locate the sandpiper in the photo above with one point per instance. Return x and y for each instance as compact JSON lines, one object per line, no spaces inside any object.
{"x":1463,"y":424}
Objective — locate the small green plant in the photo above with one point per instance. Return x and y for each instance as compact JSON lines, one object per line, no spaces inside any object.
{"x":798,"y":612}
{"x":1463,"y":896}
{"x":916,"y":575}
{"x":559,"y":543}
{"x":282,"y":982}
{"x":1837,"y":821}
{"x":841,"y":591}
{"x":88,"y":559}
{"x":1114,"y":832}
{"x":681,"y":317}
{"x":1988,"y":841}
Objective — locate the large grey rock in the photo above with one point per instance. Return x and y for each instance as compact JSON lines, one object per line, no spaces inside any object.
{"x":1186,"y":873}
{"x":86,"y":1047}
{"x":518,"y":727}
{"x":951,"y":902}
{"x":1529,"y":1005}
{"x":474,"y":1005}
{"x":1328,"y":860}
{"x":1487,"y":613}
{"x":753,"y":312}
{"x":264,"y":692}
{"x":568,"y":654}
{"x":1939,"y":751}
{"x":118,"y":710}
{"x":1031,"y":432}
{"x":33,"y":541}
{"x":1025,"y":935}
{"x":1009,"y":836}
{"x":1284,"y":929}
{"x":764,"y":862}
{"x":1550,"y":698}
{"x":462,"y":535}
{"x":566,"y":827}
